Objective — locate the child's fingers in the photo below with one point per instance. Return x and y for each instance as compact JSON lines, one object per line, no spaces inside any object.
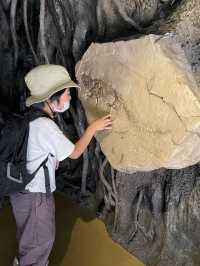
{"x":108,"y":123}
{"x":107,"y":116}
{"x":107,"y":120}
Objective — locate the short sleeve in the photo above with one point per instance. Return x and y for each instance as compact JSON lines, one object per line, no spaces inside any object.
{"x":51,"y":140}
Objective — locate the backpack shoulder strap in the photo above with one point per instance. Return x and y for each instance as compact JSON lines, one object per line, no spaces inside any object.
{"x":33,"y":114}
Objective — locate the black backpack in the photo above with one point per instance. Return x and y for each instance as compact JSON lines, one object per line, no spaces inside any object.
{"x":14,"y":132}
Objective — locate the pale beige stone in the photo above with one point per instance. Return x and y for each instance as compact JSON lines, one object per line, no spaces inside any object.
{"x":148,"y":87}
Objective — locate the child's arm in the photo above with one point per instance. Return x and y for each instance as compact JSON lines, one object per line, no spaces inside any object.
{"x":100,"y":124}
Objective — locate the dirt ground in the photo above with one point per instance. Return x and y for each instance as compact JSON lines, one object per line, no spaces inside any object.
{"x":81,"y":239}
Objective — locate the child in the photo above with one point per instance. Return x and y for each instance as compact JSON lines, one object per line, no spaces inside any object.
{"x":33,"y":208}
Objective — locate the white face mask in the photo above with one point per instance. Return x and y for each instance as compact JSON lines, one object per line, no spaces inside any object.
{"x":65,"y":107}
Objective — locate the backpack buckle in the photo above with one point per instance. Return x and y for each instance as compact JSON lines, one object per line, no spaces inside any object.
{"x":11,"y":177}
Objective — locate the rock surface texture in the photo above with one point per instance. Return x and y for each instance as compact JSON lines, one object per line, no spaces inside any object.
{"x":148,"y":87}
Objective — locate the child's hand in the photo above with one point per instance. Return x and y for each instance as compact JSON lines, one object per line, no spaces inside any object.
{"x":102,"y":123}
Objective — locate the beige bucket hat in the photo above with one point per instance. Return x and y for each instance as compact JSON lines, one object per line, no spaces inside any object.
{"x":45,"y":80}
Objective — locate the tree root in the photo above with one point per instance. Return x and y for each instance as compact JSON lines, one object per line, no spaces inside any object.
{"x":13,"y":29}
{"x":137,"y":226}
{"x":27,"y":32}
{"x":136,"y":216}
{"x":148,"y":234}
{"x":79,"y":125}
{"x":41,"y":38}
{"x":115,"y":227}
{"x":110,"y":191}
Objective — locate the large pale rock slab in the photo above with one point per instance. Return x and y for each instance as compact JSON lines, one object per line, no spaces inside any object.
{"x":148,"y":87}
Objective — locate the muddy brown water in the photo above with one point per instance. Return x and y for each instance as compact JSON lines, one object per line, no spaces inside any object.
{"x":81,"y":239}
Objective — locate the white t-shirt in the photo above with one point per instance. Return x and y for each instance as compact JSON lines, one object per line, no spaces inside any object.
{"x":45,"y":138}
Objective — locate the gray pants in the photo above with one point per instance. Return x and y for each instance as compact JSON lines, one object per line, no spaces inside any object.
{"x":35,"y":220}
